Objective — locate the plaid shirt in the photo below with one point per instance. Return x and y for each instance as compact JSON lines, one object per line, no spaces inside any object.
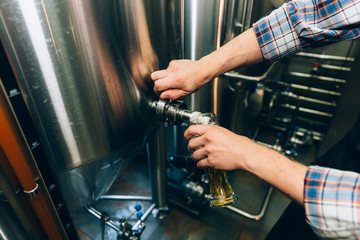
{"x":304,"y":24}
{"x":332,"y":202}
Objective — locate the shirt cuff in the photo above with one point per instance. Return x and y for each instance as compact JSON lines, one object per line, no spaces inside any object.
{"x":331,"y":201}
{"x":276,"y":35}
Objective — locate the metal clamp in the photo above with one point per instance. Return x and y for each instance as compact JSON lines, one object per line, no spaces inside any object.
{"x":32,"y":193}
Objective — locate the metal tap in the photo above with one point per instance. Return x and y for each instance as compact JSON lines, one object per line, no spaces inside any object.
{"x":171,"y":112}
{"x":174,"y":112}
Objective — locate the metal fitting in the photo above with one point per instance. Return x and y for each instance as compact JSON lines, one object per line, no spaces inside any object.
{"x":32,"y":193}
{"x":171,"y":112}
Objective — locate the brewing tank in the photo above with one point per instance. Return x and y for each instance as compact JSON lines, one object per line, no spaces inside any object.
{"x":84,"y":70}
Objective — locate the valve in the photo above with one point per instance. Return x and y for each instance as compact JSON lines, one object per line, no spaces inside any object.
{"x":125,"y":231}
{"x":173,"y":112}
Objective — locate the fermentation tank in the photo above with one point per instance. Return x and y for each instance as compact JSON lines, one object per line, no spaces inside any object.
{"x":84,"y":68}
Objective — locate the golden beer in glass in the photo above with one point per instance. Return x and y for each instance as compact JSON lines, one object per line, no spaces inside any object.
{"x":221,"y":193}
{"x":220,"y":189}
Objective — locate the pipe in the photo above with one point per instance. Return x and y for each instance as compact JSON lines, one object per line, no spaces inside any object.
{"x":170,"y":112}
{"x":11,"y":188}
{"x":125,"y":197}
{"x":104,"y":218}
{"x":144,"y":217}
{"x":325,"y":57}
{"x":97,"y":214}
{"x":157,"y":166}
{"x":239,"y":76}
{"x":254,"y":216}
{"x":19,"y":156}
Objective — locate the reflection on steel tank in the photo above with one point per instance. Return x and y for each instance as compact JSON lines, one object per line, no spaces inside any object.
{"x":84,"y":67}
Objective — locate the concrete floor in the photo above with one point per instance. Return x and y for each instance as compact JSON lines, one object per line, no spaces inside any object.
{"x":178,"y":225}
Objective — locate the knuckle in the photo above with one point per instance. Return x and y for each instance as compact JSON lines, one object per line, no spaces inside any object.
{"x":206,"y":150}
{"x":208,"y":137}
{"x":190,"y":148}
{"x":156,"y":84}
{"x":211,"y":161}
{"x":172,"y":63}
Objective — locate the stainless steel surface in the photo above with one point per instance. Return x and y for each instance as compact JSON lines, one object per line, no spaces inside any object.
{"x":239,"y":76}
{"x":326,"y":56}
{"x":84,"y":69}
{"x":210,"y":224}
{"x":201,"y":24}
{"x":301,"y":101}
{"x":347,"y":108}
{"x":261,"y":213}
{"x":158,"y":170}
{"x":125,"y":197}
{"x":97,"y":214}
{"x":201,"y":33}
{"x":171,"y":113}
{"x":10,"y":226}
{"x":241,"y":14}
{"x":322,"y":78}
{"x":123,"y":230}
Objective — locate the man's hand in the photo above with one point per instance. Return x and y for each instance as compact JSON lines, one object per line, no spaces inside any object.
{"x":181,"y":78}
{"x":215,"y":146}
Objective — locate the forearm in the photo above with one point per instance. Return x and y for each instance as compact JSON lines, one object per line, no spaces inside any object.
{"x":240,"y":51}
{"x":278,"y":170}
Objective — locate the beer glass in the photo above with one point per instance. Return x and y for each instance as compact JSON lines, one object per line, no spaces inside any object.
{"x":221,"y":193}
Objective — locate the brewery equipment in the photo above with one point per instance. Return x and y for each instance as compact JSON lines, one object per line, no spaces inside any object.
{"x":76,"y":89}
{"x":83,"y":70}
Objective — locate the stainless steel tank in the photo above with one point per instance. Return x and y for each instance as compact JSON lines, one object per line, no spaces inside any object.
{"x":200,"y":23}
{"x":84,"y":69}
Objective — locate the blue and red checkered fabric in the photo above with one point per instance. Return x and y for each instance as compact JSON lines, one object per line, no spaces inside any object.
{"x":304,"y":24}
{"x":332,"y":202}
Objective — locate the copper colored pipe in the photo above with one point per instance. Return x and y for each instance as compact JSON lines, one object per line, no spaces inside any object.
{"x":10,"y":186}
{"x":19,"y":156}
{"x":10,"y":140}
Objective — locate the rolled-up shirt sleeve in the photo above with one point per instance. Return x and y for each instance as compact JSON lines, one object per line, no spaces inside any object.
{"x":304,"y":24}
{"x":332,"y":202}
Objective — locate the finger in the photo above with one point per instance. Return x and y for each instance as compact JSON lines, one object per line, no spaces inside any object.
{"x":202,"y":163}
{"x":195,"y":130}
{"x":159,"y":74}
{"x":173,"y":94}
{"x":199,"y":155}
{"x":163,"y":84}
{"x":195,"y":144}
{"x":167,"y":83}
{"x":156,"y":91}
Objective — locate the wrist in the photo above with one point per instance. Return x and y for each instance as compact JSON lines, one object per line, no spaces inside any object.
{"x":255,"y":162}
{"x":209,"y":67}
